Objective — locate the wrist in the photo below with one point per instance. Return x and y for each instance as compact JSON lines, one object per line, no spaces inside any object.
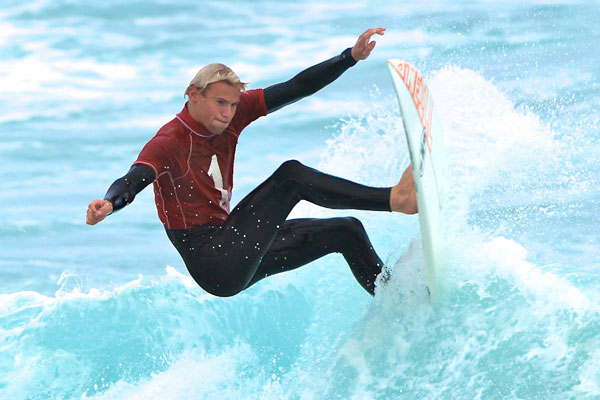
{"x":348,"y":58}
{"x":110,"y":206}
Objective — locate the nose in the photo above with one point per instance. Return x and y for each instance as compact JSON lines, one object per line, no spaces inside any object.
{"x":228,"y":112}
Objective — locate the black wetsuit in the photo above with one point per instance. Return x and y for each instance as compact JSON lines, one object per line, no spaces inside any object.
{"x":256,"y":239}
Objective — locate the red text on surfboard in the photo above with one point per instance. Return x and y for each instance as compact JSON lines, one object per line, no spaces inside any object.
{"x":420,"y":94}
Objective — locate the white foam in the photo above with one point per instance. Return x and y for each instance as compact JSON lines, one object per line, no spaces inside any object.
{"x":589,"y":378}
{"x":500,"y":304}
{"x":490,"y":142}
{"x":195,"y":374}
{"x":508,"y":259}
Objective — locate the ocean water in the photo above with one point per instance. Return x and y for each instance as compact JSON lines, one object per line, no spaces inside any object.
{"x":110,"y":312}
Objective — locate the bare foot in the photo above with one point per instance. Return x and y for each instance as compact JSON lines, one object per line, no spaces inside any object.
{"x":403,"y":197}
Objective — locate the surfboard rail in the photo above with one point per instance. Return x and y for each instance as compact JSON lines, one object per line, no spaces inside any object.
{"x":428,"y":157}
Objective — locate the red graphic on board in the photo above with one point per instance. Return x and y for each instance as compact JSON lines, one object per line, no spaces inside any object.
{"x":420,"y":94}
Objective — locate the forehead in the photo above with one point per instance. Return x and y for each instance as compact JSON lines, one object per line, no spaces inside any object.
{"x":223,"y":90}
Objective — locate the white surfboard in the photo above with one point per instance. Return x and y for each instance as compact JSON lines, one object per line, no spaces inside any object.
{"x":428,"y":158}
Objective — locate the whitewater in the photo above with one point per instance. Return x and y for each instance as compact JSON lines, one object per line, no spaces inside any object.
{"x":110,"y":312}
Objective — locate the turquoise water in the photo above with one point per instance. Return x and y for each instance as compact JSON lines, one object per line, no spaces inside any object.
{"x":110,"y":311}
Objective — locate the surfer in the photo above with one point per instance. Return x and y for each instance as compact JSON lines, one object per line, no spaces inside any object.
{"x":190,"y":161}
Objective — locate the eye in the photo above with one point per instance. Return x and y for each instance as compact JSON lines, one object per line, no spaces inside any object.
{"x":221,"y":102}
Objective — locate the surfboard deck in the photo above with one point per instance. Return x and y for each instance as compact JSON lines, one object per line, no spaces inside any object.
{"x":428,"y":158}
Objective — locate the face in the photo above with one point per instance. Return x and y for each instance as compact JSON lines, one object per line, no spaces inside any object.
{"x":216,"y":108}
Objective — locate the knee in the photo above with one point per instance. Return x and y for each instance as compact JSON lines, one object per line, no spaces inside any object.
{"x":354,"y":226}
{"x":291,"y":165}
{"x":349,"y":230}
{"x":287,"y":170}
{"x":355,"y":231}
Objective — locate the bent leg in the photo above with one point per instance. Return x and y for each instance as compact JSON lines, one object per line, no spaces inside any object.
{"x":300,"y":241}
{"x":229,"y":261}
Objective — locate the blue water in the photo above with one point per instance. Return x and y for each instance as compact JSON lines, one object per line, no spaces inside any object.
{"x":110,"y":311}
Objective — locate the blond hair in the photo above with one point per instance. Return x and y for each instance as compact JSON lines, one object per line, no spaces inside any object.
{"x":215,"y":73}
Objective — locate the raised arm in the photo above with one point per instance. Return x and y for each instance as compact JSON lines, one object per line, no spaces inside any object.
{"x":318,"y":76}
{"x":120,"y":193}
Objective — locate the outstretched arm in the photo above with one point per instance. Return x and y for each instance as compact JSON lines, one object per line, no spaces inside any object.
{"x":318,"y":76}
{"x":120,"y":193}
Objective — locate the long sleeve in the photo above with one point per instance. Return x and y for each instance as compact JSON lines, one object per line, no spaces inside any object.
{"x":308,"y":81}
{"x":123,"y":190}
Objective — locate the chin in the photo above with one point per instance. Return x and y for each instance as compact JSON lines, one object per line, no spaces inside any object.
{"x":218,"y":129}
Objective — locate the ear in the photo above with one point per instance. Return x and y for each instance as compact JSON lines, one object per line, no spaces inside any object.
{"x":194,"y":93}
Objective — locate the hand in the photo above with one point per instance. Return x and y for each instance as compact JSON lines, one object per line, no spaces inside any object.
{"x":97,"y":211}
{"x":363,"y":47}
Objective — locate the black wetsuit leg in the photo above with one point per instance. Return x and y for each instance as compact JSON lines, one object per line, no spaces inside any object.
{"x":225,"y":260}
{"x":300,"y":241}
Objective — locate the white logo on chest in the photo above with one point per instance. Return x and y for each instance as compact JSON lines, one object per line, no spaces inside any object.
{"x":214,"y":171}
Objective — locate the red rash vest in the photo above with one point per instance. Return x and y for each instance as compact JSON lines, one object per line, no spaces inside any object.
{"x":194,"y":168}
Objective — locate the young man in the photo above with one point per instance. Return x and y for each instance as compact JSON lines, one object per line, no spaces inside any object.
{"x":190,"y":162}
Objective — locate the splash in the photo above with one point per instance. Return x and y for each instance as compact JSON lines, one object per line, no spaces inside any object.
{"x":503,"y":318}
{"x":508,"y":326}
{"x":129,"y":338}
